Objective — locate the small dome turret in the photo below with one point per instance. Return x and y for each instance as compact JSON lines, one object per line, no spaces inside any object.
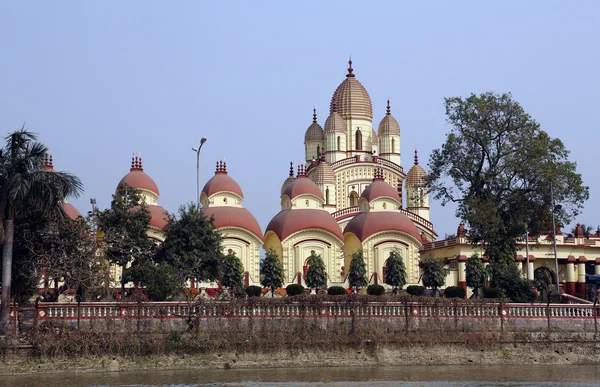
{"x":221,"y":182}
{"x":389,"y":125}
{"x":289,"y":180}
{"x":335,"y":123}
{"x":314,"y":131}
{"x":416,"y":175}
{"x":138,"y":179}
{"x":322,"y":173}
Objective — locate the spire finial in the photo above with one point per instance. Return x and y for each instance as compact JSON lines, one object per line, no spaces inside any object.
{"x":132,"y":163}
{"x":388,"y":110}
{"x":136,"y":165}
{"x":140,"y":164}
{"x":314,"y":115}
{"x":416,"y":157}
{"x":225,"y":167}
{"x":350,"y":69}
{"x":291,"y":169}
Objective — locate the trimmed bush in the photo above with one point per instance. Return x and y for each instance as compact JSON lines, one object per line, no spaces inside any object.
{"x":294,"y":290}
{"x":455,"y":292}
{"x":415,"y":290}
{"x":375,"y":290}
{"x":492,"y":293}
{"x":336,"y":291}
{"x":253,"y":291}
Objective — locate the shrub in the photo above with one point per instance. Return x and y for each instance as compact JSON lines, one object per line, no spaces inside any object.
{"x":415,"y":290}
{"x":455,"y":292}
{"x":375,"y":290}
{"x":294,"y":290}
{"x":336,"y":291}
{"x":253,"y":291}
{"x":492,"y":293}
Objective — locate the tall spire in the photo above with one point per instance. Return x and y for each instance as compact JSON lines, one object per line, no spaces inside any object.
{"x":314,"y":115}
{"x":350,"y":69}
{"x":416,"y":158}
{"x":388,"y":110}
{"x":291,"y":169}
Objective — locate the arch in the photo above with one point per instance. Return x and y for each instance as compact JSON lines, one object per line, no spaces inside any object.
{"x":339,"y":143}
{"x":353,"y":199}
{"x":393,"y":145}
{"x":327,"y":195}
{"x":545,"y":269}
{"x":358,"y":139}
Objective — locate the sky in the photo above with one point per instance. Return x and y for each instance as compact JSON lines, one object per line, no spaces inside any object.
{"x":98,"y":81}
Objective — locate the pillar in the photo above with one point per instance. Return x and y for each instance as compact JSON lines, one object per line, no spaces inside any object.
{"x":571,"y":275}
{"x":462,"y":271}
{"x":581,"y":275}
{"x":531,"y":261}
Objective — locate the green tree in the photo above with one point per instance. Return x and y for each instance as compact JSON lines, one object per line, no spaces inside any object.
{"x":509,"y":280}
{"x":25,"y":185}
{"x":434,"y":273}
{"x":542,"y":280}
{"x":271,"y":271}
{"x":124,"y":227}
{"x":316,"y":277}
{"x":159,"y":280}
{"x":232,"y":274}
{"x":357,"y":275}
{"x":476,"y":274}
{"x":395,"y":272}
{"x":500,"y":168}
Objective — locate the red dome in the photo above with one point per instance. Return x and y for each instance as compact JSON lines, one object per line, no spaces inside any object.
{"x":159,"y":216}
{"x":71,"y":211}
{"x":366,"y":224}
{"x":303,"y":186}
{"x":288,"y":222}
{"x":379,"y":188}
{"x":221,"y":182}
{"x":234,"y":217}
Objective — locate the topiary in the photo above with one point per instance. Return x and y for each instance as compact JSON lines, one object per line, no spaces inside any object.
{"x":375,"y":290}
{"x":253,"y":291}
{"x":492,"y":293}
{"x":294,"y":290}
{"x":336,"y":291}
{"x":455,"y":292}
{"x":415,"y":290}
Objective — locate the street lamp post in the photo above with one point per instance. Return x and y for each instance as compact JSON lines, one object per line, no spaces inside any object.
{"x":554,"y":238}
{"x":197,"y":150}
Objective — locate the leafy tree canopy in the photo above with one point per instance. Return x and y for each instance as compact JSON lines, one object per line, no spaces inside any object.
{"x":499,"y":166}
{"x":434,"y":272}
{"x":271,"y":270}
{"x":395,"y":272}
{"x":316,"y":276}
{"x":232,"y":276}
{"x":357,"y":275}
{"x":476,"y":275}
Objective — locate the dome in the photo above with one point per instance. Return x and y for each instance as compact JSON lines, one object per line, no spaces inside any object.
{"x":366,"y":224}
{"x":138,"y":179}
{"x":416,"y":175}
{"x":389,"y":125}
{"x":71,"y":211}
{"x":335,"y":123}
{"x":234,"y":217}
{"x":322,"y":173}
{"x":302,"y":185}
{"x":222,"y":182}
{"x":379,"y":188}
{"x":289,"y":180}
{"x":288,"y":222}
{"x":314,"y":133}
{"x":352,"y":98}
{"x":158,"y":216}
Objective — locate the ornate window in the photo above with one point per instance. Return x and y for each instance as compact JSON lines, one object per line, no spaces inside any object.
{"x":339,"y":143}
{"x":327,"y":195}
{"x":358,"y":139}
{"x":393,"y":145}
{"x":353,"y":198}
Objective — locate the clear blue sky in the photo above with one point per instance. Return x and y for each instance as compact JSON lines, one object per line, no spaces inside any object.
{"x":101,"y":80}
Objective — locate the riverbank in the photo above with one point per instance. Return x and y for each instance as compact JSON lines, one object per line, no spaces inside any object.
{"x":370,"y":355}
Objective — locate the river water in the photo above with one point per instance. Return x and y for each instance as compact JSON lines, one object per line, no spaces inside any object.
{"x":410,"y":376}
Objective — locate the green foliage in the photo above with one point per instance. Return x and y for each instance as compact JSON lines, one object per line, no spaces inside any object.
{"x":232,"y":273}
{"x":415,"y":290}
{"x":395,"y":273}
{"x":159,"y":280}
{"x":542,"y":280}
{"x":192,"y":246}
{"x":434,"y":272}
{"x":336,"y":291}
{"x":316,"y":277}
{"x":508,"y":278}
{"x":375,"y":290}
{"x":455,"y":292}
{"x":492,"y":293}
{"x":476,"y":274}
{"x":271,"y":271}
{"x":253,"y":291}
{"x":499,"y":167}
{"x":357,"y":275}
{"x":294,"y":290}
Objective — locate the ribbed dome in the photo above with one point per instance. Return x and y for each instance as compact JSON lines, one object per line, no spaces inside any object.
{"x":417,"y":175}
{"x":389,"y":125}
{"x":221,"y":182}
{"x":138,"y":179}
{"x":352,"y":98}
{"x":335,"y":123}
{"x":374,"y":137}
{"x":289,"y":181}
{"x":314,"y":133}
{"x":322,"y":173}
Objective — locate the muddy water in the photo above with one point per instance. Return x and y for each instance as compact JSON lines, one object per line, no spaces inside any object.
{"x":413,"y":376}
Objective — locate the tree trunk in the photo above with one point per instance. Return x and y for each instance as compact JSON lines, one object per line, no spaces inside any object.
{"x":7,"y":250}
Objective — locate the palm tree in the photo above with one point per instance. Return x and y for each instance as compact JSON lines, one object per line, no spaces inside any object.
{"x":26,"y":186}
{"x":587,"y":230}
